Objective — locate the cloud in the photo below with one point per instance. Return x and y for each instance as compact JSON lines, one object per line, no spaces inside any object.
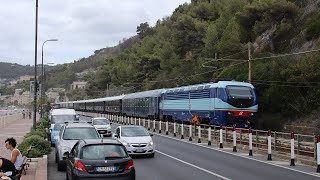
{"x":81,"y":26}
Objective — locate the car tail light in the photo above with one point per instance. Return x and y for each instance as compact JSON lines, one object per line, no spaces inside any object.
{"x":129,"y":164}
{"x":78,"y":165}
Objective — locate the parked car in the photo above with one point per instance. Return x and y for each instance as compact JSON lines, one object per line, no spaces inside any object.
{"x":69,"y":135}
{"x":136,"y":139}
{"x":97,"y":159}
{"x":103,"y":125}
{"x":55,"y":132}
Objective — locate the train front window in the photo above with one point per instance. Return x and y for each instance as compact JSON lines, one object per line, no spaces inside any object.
{"x":239,"y":91}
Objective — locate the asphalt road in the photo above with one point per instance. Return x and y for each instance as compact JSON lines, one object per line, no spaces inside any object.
{"x":176,"y":159}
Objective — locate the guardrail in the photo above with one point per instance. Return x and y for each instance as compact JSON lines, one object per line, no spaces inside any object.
{"x":304,"y":145}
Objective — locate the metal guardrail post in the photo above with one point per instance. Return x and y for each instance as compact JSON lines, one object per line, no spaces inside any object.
{"x":174,"y":129}
{"x":298,"y":140}
{"x":167,"y":127}
{"x":269,"y":145}
{"x":139,"y":121}
{"x":182,"y":136}
{"x":234,"y":139}
{"x":160,"y":124}
{"x":209,"y":135}
{"x":257,"y":138}
{"x":221,"y":137}
{"x":199,"y":134}
{"x":292,"y":150}
{"x":275,"y":141}
{"x":250,"y":142}
{"x":154,"y":125}
{"x":226,"y":135}
{"x":149,"y":124}
{"x":240,"y":136}
{"x":190,"y":132}
{"x":214,"y":133}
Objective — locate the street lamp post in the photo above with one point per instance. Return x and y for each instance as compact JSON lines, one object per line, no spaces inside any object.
{"x":42,"y":78}
{"x":35,"y":71}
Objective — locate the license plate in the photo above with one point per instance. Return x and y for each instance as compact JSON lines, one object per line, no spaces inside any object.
{"x":106,"y":169}
{"x":139,"y":150}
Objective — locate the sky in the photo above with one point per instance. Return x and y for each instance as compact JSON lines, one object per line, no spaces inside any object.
{"x":81,"y":26}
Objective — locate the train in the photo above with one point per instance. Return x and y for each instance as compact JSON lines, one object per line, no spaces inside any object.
{"x":227,"y":103}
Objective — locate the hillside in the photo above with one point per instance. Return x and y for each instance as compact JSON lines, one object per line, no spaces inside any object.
{"x":64,"y":75}
{"x":181,"y":49}
{"x":13,"y":71}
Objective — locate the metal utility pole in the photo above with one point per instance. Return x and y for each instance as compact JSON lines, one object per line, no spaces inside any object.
{"x":249,"y":62}
{"x":42,"y":77}
{"x":35,"y":71}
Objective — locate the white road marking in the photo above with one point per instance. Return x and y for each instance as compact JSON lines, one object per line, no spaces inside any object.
{"x":202,"y":169}
{"x":235,"y":154}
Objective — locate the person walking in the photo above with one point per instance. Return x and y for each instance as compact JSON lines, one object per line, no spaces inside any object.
{"x":23,"y":114}
{"x":16,"y":156}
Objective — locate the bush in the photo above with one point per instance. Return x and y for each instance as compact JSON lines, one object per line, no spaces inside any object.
{"x":40,"y":132}
{"x":40,"y":146}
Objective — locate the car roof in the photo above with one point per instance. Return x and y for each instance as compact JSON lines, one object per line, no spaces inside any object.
{"x":78,"y":124}
{"x":63,"y":112}
{"x":99,"y":118}
{"x":132,"y":126}
{"x":100,"y":141}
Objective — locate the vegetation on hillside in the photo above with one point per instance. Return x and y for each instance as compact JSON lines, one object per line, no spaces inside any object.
{"x":181,"y":49}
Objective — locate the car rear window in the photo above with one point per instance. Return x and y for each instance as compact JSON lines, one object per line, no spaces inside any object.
{"x":57,"y":127}
{"x":62,"y":118}
{"x":103,"y":151}
{"x":76,"y":133}
{"x":100,"y":122}
{"x":134,"y":132}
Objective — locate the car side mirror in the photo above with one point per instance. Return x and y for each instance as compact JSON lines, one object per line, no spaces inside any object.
{"x":151,"y":134}
{"x":66,"y":155}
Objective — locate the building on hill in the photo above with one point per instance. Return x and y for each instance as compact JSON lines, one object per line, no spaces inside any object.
{"x":78,"y":85}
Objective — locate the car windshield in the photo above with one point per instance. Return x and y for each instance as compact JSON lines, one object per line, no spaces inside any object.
{"x":100,"y":122}
{"x":103,"y":152}
{"x":239,"y":91}
{"x":134,"y":132}
{"x":62,"y":118}
{"x":76,"y":133}
{"x":57,"y":127}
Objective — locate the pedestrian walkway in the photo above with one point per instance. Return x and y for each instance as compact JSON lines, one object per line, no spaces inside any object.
{"x":17,"y":129}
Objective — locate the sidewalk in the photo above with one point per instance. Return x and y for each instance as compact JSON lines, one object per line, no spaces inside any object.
{"x":18,"y":129}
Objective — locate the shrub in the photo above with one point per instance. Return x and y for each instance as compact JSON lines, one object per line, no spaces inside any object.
{"x":40,"y":146}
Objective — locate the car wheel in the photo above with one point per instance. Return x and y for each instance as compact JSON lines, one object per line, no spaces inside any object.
{"x":60,"y":166}
{"x":151,"y":155}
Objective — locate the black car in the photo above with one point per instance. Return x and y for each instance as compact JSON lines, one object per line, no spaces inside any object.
{"x":99,"y":159}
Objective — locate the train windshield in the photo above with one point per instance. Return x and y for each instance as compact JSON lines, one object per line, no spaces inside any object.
{"x":239,"y":91}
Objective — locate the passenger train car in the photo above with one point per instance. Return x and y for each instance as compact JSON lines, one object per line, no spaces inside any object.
{"x":230,"y":103}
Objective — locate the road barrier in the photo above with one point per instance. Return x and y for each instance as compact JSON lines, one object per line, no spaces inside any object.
{"x":234,"y":140}
{"x":190,"y":132}
{"x":296,"y":146}
{"x":292,"y":150}
{"x":221,"y":137}
{"x":269,"y":145}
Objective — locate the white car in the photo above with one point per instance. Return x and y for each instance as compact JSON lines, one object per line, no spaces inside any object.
{"x":136,"y":139}
{"x":103,"y":125}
